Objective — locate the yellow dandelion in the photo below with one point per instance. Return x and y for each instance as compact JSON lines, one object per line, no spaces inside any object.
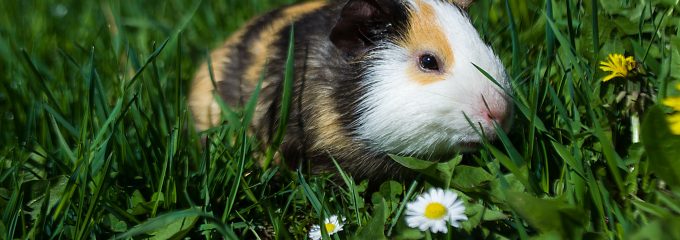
{"x":672,"y":102}
{"x":674,"y":120}
{"x":618,"y":66}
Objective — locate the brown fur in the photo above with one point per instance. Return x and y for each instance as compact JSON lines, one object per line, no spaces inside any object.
{"x":260,"y":49}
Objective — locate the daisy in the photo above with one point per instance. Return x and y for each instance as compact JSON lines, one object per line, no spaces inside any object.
{"x":433,"y":209}
{"x":331,"y":224}
{"x":618,"y":66}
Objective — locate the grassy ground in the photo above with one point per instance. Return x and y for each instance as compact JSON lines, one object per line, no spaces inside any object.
{"x":95,"y":142}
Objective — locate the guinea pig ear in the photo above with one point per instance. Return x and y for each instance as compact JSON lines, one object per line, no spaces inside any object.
{"x":464,"y":4}
{"x":362,"y":23}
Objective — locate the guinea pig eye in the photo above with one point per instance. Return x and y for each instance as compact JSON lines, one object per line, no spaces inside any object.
{"x":428,"y":62}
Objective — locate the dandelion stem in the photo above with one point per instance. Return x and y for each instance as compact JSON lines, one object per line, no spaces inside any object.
{"x":635,"y":128}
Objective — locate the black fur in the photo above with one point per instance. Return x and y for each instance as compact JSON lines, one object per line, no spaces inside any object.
{"x":240,"y":59}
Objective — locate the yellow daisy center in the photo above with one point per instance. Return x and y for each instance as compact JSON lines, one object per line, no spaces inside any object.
{"x":435,"y":210}
{"x":330,"y":227}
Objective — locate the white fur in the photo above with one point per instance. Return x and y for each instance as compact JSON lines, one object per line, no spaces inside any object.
{"x":403,"y":116}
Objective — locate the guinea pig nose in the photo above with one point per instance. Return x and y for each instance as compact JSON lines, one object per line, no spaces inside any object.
{"x":495,"y":116}
{"x":498,"y":114}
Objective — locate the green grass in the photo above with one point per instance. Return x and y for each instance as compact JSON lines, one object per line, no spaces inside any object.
{"x":95,"y":140}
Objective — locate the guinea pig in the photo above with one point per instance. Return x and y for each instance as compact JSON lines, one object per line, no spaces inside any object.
{"x":371,"y":78}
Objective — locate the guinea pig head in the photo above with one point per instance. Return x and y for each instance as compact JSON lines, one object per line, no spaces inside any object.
{"x":423,"y":93}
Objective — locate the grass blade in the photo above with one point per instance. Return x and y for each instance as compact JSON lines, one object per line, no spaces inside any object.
{"x":286,"y":99}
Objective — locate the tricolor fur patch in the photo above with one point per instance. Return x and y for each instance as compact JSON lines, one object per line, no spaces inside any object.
{"x":372,"y":77}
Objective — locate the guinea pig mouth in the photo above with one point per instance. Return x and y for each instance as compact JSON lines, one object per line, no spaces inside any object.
{"x":470,"y":146}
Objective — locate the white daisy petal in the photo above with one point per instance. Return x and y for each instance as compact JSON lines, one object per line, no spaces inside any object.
{"x":435,"y":208}
{"x":451,"y":197}
{"x":439,"y":226}
{"x":315,"y":232}
{"x":424,"y":226}
{"x":437,"y":194}
{"x":418,"y":221}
